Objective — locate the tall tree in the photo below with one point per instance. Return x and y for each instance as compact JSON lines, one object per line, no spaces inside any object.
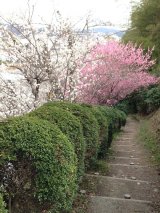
{"x":145,"y":28}
{"x":112,"y":71}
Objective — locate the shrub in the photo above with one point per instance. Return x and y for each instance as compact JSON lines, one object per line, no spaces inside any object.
{"x":69,"y":125}
{"x":115,"y":118}
{"x":102,"y":122}
{"x":153,"y":99}
{"x":110,"y":121}
{"x":121,"y":116}
{"x":105,"y":146}
{"x":125,"y":107}
{"x":2,"y":205}
{"x":143,"y":101}
{"x":103,"y":131}
{"x":39,"y":170}
{"x":89,"y":125}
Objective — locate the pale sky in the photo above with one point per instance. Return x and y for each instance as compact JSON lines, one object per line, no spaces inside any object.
{"x":114,"y":11}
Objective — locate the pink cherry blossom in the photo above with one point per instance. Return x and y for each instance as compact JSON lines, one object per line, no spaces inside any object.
{"x":112,"y":71}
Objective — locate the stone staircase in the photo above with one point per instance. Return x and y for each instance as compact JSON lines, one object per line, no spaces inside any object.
{"x":132,"y":184}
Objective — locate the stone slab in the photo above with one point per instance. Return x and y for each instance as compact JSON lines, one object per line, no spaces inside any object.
{"x":117,"y":188}
{"x":141,"y":173}
{"x":113,"y":205}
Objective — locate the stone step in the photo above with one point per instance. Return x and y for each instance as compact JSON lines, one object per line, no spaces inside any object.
{"x":132,"y":139}
{"x":118,"y":187}
{"x":100,"y":204}
{"x":124,"y":143}
{"x":126,"y":160}
{"x":140,"y":172}
{"x":127,"y":148}
{"x":135,"y":154}
{"x":125,"y":138}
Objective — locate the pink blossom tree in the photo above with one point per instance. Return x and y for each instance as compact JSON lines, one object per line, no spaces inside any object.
{"x":112,"y":71}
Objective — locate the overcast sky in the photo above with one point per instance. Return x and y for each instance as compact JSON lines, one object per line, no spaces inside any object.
{"x":115,"y":11}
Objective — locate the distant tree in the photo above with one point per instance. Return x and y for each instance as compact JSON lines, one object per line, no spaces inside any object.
{"x":113,"y":71}
{"x":145,"y":27}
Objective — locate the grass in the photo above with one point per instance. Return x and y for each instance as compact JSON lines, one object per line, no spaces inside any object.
{"x":148,"y":138}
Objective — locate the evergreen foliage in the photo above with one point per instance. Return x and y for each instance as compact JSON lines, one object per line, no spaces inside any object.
{"x":69,"y":125}
{"x":90,"y":128}
{"x":40,"y":170}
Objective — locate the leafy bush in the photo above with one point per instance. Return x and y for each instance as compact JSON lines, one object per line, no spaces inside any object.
{"x":153,"y":99}
{"x":144,"y":101}
{"x":112,"y":116}
{"x":90,"y":128}
{"x":102,"y":122}
{"x":121,"y":116}
{"x":2,"y":205}
{"x":103,"y":131}
{"x":69,"y":125}
{"x":115,"y":119}
{"x":124,"y":106}
{"x":39,"y":170}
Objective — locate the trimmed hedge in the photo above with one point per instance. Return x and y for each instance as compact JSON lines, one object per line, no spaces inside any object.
{"x":40,"y":166}
{"x":43,"y":153}
{"x":90,"y":128}
{"x":103,"y":131}
{"x":115,"y":119}
{"x":69,"y":125}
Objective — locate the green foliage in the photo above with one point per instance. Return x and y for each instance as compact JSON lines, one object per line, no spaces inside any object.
{"x":155,"y":123}
{"x":102,"y":122}
{"x":121,"y":115}
{"x":90,"y":128}
{"x":127,"y":106}
{"x":42,"y":152}
{"x":144,"y":101}
{"x":148,"y":135}
{"x":153,"y":99}
{"x":145,"y":27}
{"x":115,"y":119}
{"x":40,"y":167}
{"x":103,"y":131}
{"x":101,"y":166}
{"x":2,"y":205}
{"x":69,"y":125}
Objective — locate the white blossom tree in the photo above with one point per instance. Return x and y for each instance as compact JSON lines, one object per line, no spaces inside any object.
{"x":48,"y":57}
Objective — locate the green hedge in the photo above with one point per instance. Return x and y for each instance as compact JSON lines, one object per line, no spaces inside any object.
{"x":103,"y":131}
{"x":121,"y":116}
{"x":39,"y":167}
{"x":69,"y":125}
{"x":90,"y":128}
{"x":44,"y":153}
{"x":115,"y":119}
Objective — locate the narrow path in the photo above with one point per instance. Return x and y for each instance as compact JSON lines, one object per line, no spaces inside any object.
{"x":132,"y":183}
